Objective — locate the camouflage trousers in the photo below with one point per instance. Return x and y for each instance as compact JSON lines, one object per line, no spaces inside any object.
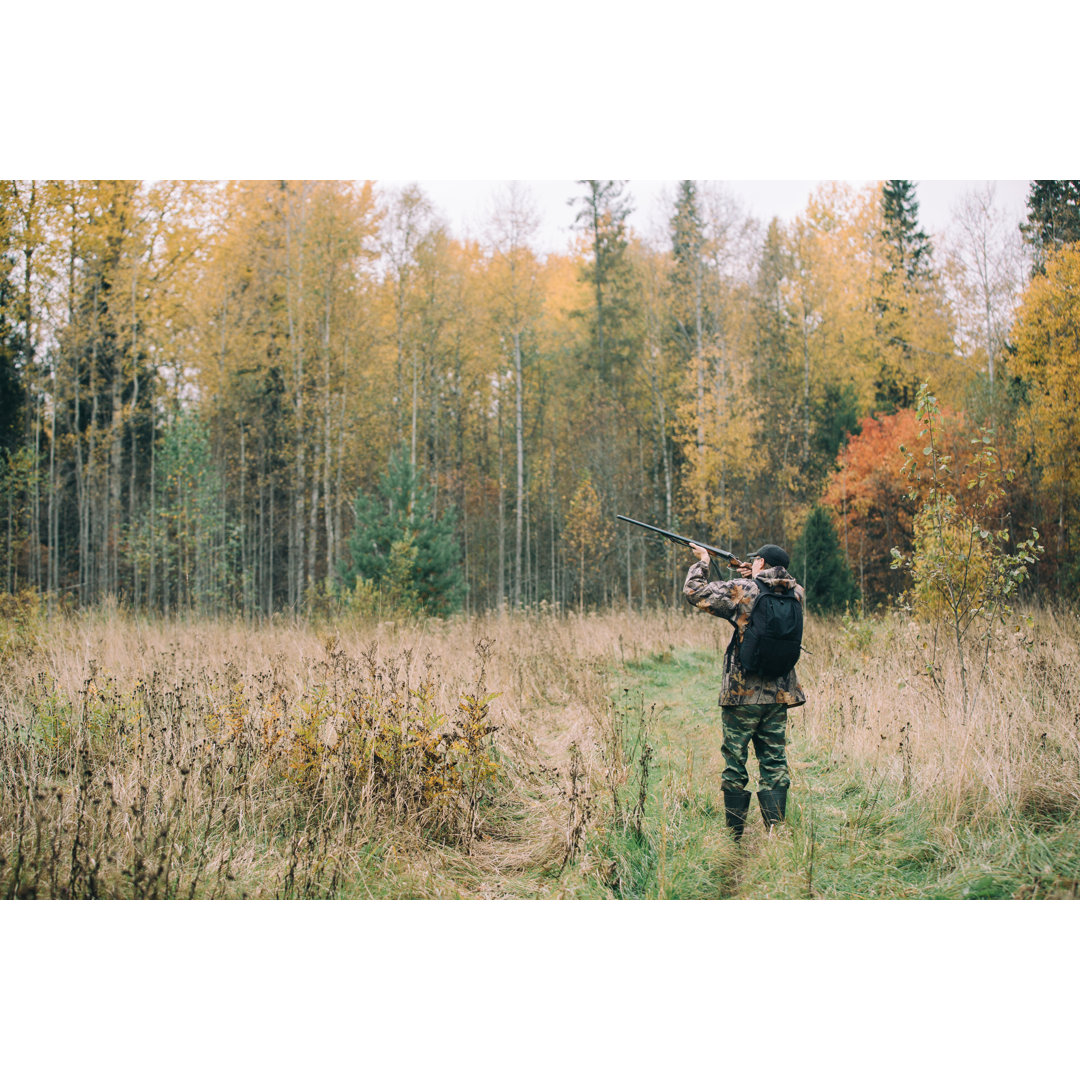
{"x":766,"y":727}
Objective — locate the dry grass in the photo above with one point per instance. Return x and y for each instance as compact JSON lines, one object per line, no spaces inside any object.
{"x":158,"y":759}
{"x":155,"y":759}
{"x":876,"y":702}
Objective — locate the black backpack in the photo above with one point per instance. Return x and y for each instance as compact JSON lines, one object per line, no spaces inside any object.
{"x":773,"y":637}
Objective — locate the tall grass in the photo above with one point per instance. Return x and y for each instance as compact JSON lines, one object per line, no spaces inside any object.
{"x":158,"y":759}
{"x":480,"y":757}
{"x":887,"y":695}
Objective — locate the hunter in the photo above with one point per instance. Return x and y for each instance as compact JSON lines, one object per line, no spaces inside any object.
{"x":760,"y":683}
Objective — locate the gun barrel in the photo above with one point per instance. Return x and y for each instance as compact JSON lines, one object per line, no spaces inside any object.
{"x":720,"y":553}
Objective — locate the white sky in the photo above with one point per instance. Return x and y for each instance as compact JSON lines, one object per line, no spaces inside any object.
{"x":466,"y":204}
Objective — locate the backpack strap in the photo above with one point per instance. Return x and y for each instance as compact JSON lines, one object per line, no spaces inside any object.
{"x":737,"y":638}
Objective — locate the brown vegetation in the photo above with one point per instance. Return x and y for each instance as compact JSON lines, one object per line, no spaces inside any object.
{"x":215,"y":759}
{"x":467,"y":757}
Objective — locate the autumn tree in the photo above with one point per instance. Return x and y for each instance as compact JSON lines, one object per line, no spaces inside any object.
{"x":868,"y":495}
{"x":814,"y":349}
{"x":567,"y":408}
{"x":877,"y":489}
{"x":964,"y":574}
{"x":103,"y":370}
{"x":695,"y":309}
{"x":408,"y":218}
{"x":587,"y":535}
{"x":710,"y":349}
{"x":516,"y":302}
{"x":25,"y":368}
{"x":1047,"y":359}
{"x":984,"y":270}
{"x":286,"y":339}
{"x":603,"y":379}
{"x":831,"y":291}
{"x":243,"y":377}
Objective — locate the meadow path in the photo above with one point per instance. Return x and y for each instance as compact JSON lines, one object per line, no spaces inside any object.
{"x":845,"y":835}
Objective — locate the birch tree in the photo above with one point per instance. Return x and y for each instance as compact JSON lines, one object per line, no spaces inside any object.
{"x":516,"y":305}
{"x":985,"y":271}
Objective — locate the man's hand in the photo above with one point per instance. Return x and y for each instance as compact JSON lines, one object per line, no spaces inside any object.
{"x":701,"y":553}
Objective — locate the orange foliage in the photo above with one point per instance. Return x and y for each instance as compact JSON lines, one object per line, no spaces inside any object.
{"x":870,"y":492}
{"x":869,"y":496}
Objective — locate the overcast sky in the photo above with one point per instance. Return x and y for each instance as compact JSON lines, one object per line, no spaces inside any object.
{"x":467,"y":203}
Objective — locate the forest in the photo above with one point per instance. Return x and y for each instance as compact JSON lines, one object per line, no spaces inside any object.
{"x":310,"y":396}
{"x":313,"y":583}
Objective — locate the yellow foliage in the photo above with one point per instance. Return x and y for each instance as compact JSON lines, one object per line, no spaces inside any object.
{"x":1047,"y":357}
{"x":730,"y":422}
{"x":838,"y":264}
{"x":854,"y":319}
{"x":586,"y":527}
{"x":20,"y":615}
{"x":950,"y":567}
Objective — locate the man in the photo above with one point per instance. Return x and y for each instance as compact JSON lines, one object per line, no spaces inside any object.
{"x":753,"y":706}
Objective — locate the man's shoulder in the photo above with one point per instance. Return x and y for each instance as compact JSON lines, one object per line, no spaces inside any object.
{"x":740,"y":589}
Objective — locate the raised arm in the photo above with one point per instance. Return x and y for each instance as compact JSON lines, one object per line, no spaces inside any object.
{"x":719,"y":598}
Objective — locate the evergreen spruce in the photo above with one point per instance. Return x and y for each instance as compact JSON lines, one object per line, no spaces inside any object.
{"x":402,"y":547}
{"x":692,"y":321}
{"x":909,"y":248}
{"x":687,"y":249}
{"x":602,"y":215}
{"x":1053,"y":218}
{"x":835,"y":418}
{"x":909,"y":254}
{"x":819,"y":563}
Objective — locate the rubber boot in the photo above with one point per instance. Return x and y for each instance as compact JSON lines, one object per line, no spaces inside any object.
{"x":736,"y":806}
{"x":773,"y":804}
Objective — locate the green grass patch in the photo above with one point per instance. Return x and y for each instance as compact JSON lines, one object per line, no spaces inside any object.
{"x":850,"y":832}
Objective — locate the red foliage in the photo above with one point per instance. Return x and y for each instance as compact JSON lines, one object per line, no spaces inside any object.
{"x":869,"y":496}
{"x":870,"y":491}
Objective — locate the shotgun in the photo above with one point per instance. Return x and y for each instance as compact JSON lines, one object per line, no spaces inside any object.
{"x":732,"y":560}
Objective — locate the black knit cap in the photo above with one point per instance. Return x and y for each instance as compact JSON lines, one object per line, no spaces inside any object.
{"x":773,"y":555}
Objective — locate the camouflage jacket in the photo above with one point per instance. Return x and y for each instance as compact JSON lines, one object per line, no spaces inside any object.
{"x":732,"y":600}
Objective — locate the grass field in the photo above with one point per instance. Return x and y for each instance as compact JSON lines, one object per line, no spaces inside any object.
{"x":527,"y":757}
